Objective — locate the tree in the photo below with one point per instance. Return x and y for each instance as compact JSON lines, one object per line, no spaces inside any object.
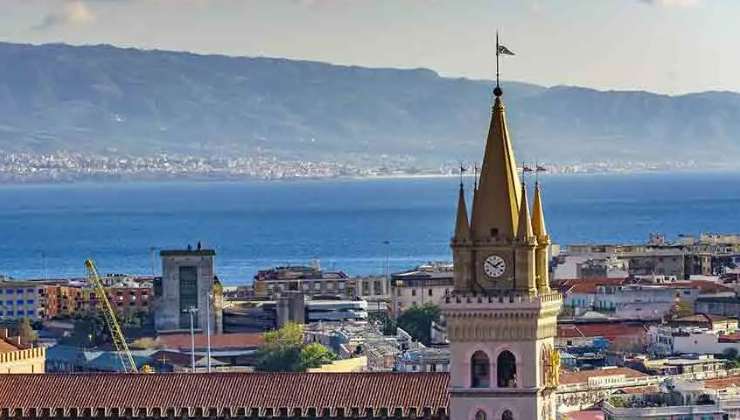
{"x":730,"y":353}
{"x":290,"y":335}
{"x":314,"y":355}
{"x":25,"y":331}
{"x":284,"y":351}
{"x":90,"y":331}
{"x":417,"y":321}
{"x":388,"y":325}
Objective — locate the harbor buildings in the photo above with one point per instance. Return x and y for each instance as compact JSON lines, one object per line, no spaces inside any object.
{"x":22,"y":300}
{"x":188,"y":284}
{"x":316,"y":283}
{"x":426,"y":284}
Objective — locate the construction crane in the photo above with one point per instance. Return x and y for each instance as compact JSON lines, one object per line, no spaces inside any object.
{"x":119,"y":341}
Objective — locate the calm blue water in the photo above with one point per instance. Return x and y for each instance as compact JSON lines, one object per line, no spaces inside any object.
{"x":254,"y":225}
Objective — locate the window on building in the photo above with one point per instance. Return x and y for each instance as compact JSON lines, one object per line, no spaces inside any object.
{"x":480,"y":415}
{"x":188,"y":276}
{"x":19,"y":302}
{"x":506,"y":370}
{"x":430,"y":292}
{"x":413,"y":292}
{"x":378,"y":287}
{"x":507,"y":415}
{"x":480,"y":373}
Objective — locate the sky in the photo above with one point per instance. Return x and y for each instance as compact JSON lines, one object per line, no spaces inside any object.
{"x":665,"y":46}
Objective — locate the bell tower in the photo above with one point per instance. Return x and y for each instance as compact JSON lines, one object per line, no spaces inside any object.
{"x":501,"y":316}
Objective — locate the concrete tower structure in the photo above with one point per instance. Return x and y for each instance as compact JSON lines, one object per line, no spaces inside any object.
{"x":501,"y":315}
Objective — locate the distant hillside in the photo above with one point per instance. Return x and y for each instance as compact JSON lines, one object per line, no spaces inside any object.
{"x":105,"y":98}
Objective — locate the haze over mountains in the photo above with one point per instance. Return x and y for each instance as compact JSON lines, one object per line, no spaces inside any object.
{"x":108,"y":99}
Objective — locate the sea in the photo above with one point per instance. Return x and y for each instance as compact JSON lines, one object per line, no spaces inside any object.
{"x":359,"y":226}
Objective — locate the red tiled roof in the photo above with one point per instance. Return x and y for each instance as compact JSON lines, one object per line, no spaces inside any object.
{"x":608,"y":330}
{"x":730,"y":338}
{"x":704,"y":286}
{"x":265,"y":391}
{"x":585,"y":415}
{"x":589,"y":285}
{"x":218,"y":341}
{"x":567,"y":378}
{"x":640,"y":389}
{"x":723,"y":383}
{"x":7,"y":346}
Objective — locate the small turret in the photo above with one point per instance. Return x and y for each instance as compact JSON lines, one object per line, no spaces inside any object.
{"x":538,"y":217}
{"x":462,"y":227}
{"x":524,"y":232}
{"x":542,"y":252}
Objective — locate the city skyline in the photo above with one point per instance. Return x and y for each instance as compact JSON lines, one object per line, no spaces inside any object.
{"x":668,"y":48}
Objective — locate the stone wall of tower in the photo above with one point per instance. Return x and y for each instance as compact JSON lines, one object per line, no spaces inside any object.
{"x":462,"y":261}
{"x":525,"y":267}
{"x":542,"y":262}
{"x":521,"y":324}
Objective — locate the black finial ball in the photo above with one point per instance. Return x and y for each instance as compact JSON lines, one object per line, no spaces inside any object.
{"x":497,"y":91}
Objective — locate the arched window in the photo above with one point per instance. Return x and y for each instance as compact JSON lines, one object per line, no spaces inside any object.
{"x":480,"y":415}
{"x":480,"y":375}
{"x":507,"y":415}
{"x":506,"y":370}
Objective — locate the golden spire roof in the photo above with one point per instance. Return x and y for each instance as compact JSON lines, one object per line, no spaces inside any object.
{"x":462,"y":227}
{"x":497,"y":201}
{"x":538,"y":219}
{"x":524,"y":230}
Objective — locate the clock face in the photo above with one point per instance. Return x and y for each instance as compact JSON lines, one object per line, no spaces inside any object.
{"x":494,"y":266}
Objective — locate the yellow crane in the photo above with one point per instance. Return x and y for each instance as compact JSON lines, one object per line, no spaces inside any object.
{"x":119,"y":341}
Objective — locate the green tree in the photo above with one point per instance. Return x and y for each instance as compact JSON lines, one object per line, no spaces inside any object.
{"x":25,"y":331}
{"x":730,"y":353}
{"x":417,"y":321}
{"x":388,"y":325}
{"x":90,"y":331}
{"x":314,"y":355}
{"x":290,"y":335}
{"x":284,"y":351}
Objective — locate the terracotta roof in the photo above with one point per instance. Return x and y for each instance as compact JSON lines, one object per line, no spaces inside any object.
{"x":585,"y":415}
{"x":10,"y":343}
{"x":640,"y":389}
{"x":704,"y":286}
{"x":608,"y":330}
{"x":723,"y":383}
{"x":730,"y":338}
{"x":567,"y":378}
{"x":218,"y":341}
{"x":589,"y":285}
{"x":268,"y":393}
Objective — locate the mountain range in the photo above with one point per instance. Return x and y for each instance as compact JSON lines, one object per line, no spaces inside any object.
{"x":106,"y":99}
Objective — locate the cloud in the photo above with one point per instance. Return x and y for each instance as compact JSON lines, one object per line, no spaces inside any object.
{"x":72,"y":12}
{"x":671,"y":3}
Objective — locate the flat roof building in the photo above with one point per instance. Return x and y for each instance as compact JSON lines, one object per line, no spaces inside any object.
{"x":188,"y":283}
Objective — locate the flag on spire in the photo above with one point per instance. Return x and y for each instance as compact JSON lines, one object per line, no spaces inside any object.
{"x":503,"y":50}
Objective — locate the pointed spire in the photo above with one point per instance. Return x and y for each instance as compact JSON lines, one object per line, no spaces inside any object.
{"x":524,"y":231}
{"x":497,"y":201}
{"x":538,"y":216}
{"x":462,"y":227}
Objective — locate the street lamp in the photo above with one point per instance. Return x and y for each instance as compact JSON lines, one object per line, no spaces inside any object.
{"x":192,"y":311}
{"x":208,"y":330}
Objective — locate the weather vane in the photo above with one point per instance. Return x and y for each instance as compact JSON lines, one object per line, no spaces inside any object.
{"x":500,"y":50}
